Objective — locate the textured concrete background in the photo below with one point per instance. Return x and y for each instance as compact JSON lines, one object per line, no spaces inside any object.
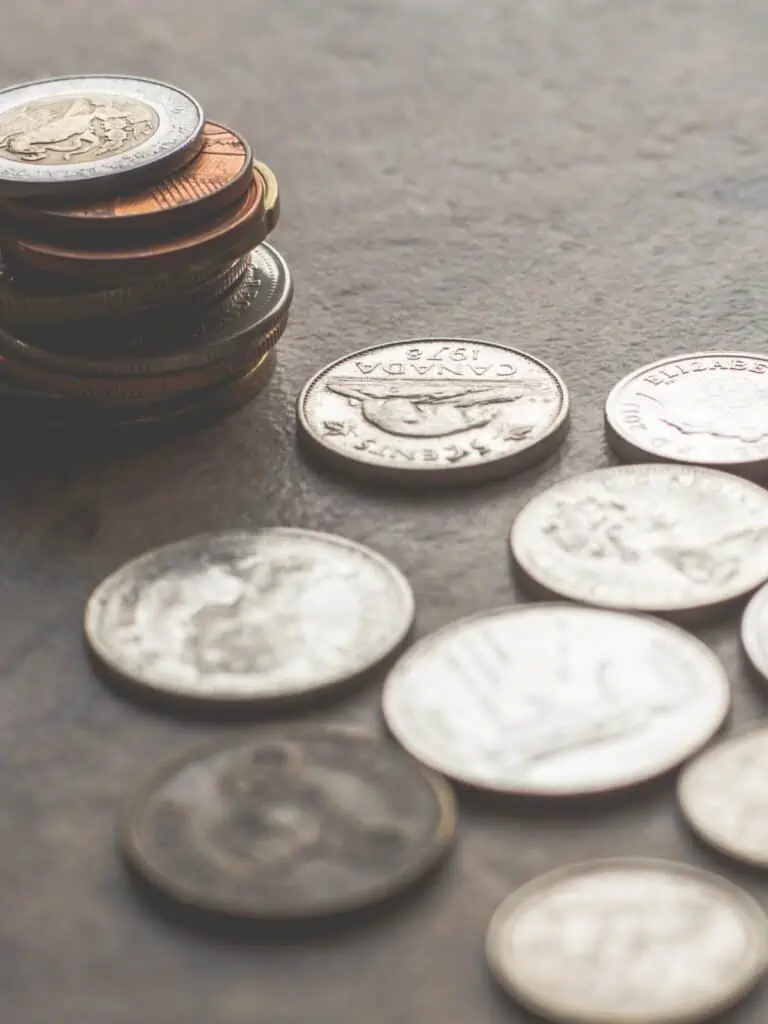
{"x":581,"y":178}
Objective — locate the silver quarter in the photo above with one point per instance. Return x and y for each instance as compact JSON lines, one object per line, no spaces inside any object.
{"x":293,"y":824}
{"x":628,"y":941}
{"x":706,"y":408}
{"x":754,"y":632}
{"x":76,"y":135}
{"x":674,"y":540}
{"x":724,"y":798}
{"x":249,"y":616}
{"x":555,"y":700}
{"x":431,"y":410}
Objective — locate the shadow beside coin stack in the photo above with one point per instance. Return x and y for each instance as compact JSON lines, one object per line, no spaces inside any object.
{"x":143,"y":308}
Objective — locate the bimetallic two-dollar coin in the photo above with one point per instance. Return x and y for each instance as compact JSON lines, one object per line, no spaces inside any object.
{"x":680,"y":541}
{"x":555,"y":700}
{"x":90,"y":134}
{"x":271,"y":194}
{"x":299,"y":823}
{"x":434,"y":410}
{"x":248,"y":617}
{"x":628,"y":941}
{"x":706,"y":408}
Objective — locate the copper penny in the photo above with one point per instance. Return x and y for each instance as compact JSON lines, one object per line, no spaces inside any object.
{"x":217,"y":177}
{"x":225,"y":237}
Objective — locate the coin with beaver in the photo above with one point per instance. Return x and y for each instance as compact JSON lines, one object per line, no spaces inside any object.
{"x":293,"y":824}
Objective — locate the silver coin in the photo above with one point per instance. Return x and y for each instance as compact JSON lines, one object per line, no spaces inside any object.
{"x":628,"y":941}
{"x":674,"y":540}
{"x":249,"y":616}
{"x":432,"y":410}
{"x":706,"y":408}
{"x":724,"y":798}
{"x":293,"y":824}
{"x":754,"y":632}
{"x":555,"y":700}
{"x":76,"y":135}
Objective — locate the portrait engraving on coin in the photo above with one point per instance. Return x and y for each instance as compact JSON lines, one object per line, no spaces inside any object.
{"x":294,"y":823}
{"x":76,"y":129}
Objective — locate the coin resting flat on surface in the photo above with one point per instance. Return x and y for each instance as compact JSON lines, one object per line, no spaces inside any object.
{"x":83,"y":134}
{"x":706,"y":408}
{"x":249,"y":616}
{"x":295,"y":824}
{"x":555,"y":700}
{"x":674,"y":540}
{"x":754,"y":633}
{"x":434,"y":409}
{"x":628,"y":941}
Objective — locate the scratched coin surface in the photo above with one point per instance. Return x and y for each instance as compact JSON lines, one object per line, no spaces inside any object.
{"x":628,"y":941}
{"x":299,"y":823}
{"x":724,"y":797}
{"x":249,"y":616}
{"x":434,"y":409}
{"x":754,"y":632}
{"x":675,"y":540}
{"x":705,"y":408}
{"x":555,"y":700}
{"x":73,"y":136}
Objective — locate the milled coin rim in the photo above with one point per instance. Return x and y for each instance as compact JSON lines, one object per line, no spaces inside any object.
{"x":422,"y":649}
{"x":446,"y":815}
{"x":754,"y":918}
{"x":629,"y":449}
{"x":99,"y":598}
{"x":489,"y":469}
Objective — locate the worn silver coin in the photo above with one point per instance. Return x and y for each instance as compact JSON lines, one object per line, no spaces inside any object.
{"x":680,"y":541}
{"x":706,"y":408}
{"x":84,"y":134}
{"x":556,"y":700}
{"x":432,"y":410}
{"x":628,"y":941}
{"x":754,"y":633}
{"x":724,"y":797}
{"x":226,"y":617}
{"x":298,"y":823}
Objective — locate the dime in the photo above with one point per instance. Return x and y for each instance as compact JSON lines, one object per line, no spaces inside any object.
{"x":271,"y":194}
{"x":705,"y":408}
{"x":224,"y":238}
{"x":219,"y":175}
{"x":250,"y":616}
{"x":754,"y":630}
{"x":89,"y":134}
{"x":628,"y":941}
{"x":296,"y":824}
{"x":434,"y":409}
{"x":724,"y":798}
{"x":675,"y":540}
{"x":555,"y":700}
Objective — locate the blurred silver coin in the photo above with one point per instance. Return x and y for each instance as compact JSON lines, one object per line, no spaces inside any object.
{"x":555,"y":700}
{"x":724,"y":796}
{"x":229,"y":617}
{"x":77,"y":135}
{"x":675,"y":540}
{"x":706,"y":408}
{"x":431,"y":410}
{"x":754,"y":632}
{"x":628,"y":941}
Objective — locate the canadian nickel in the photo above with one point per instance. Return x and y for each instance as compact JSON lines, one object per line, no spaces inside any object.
{"x":433,"y":410}
{"x":244,"y":617}
{"x":628,"y":941}
{"x":555,"y":700}
{"x":754,"y":633}
{"x":90,"y":133}
{"x":723,"y":796}
{"x":674,"y":540}
{"x":706,"y":408}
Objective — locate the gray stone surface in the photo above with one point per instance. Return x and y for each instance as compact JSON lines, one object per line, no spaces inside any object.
{"x":583,"y":179}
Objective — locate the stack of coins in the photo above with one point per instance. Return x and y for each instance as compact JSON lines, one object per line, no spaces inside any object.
{"x":136,"y":286}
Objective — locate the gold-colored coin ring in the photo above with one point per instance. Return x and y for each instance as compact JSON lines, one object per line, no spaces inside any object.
{"x":271,"y":194}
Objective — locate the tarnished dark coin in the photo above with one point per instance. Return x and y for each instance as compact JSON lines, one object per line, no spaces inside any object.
{"x":296,"y":824}
{"x":271,"y":194}
{"x":628,"y":941}
{"x":754,"y":633}
{"x":89,"y":134}
{"x":219,"y":175}
{"x":706,"y":408}
{"x":248,"y":617}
